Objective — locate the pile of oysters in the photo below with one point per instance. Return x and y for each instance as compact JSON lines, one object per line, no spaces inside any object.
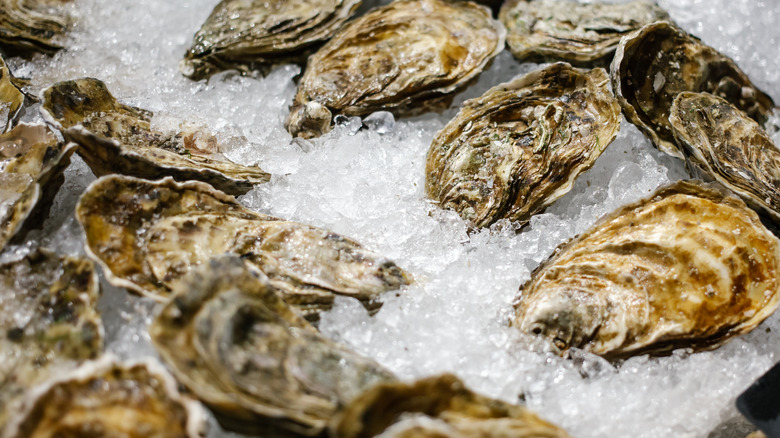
{"x":240,"y":292}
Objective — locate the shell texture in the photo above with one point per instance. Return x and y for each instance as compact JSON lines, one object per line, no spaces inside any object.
{"x":12,"y":98}
{"x":28,"y":26}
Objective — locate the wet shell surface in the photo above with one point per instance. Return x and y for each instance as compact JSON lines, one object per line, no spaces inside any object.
{"x":28,"y":26}
{"x":116,"y":138}
{"x":519,"y":147}
{"x":243,"y":34}
{"x":579,"y":33}
{"x":147,"y":235}
{"x":11,"y":98}
{"x":407,"y":57}
{"x":440,"y":406}
{"x":231,"y":339}
{"x":689,"y":267}
{"x":659,"y":61}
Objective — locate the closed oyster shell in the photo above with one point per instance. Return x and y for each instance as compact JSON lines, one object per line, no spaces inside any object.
{"x":407,"y":57}
{"x":11,"y":98}
{"x":440,"y":406}
{"x":690,"y":266}
{"x":107,"y":398}
{"x":33,"y":25}
{"x":245,"y":34}
{"x":147,"y":235}
{"x":659,"y":61}
{"x":232,"y":340}
{"x":31,"y":164}
{"x":117,"y":138}
{"x":48,"y":322}
{"x":516,"y":149}
{"x":552,"y":30}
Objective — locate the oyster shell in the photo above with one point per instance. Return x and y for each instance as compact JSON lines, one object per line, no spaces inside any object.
{"x":33,"y":25}
{"x":551,"y":30}
{"x":407,"y":57}
{"x":516,"y":149}
{"x":438,"y":406}
{"x":11,"y":97}
{"x":107,"y":398}
{"x":147,"y":235}
{"x":690,"y":266}
{"x":259,"y":33}
{"x":658,"y":61}
{"x":231,"y":339}
{"x":48,"y":322}
{"x":31,"y":165}
{"x":117,"y":138}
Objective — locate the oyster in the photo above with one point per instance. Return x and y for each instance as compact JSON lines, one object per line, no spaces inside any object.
{"x":231,"y":339}
{"x":147,"y":235}
{"x":106,"y":398}
{"x":407,"y":57}
{"x":438,"y":406}
{"x":47,"y":320}
{"x":249,"y":34}
{"x":544,"y":30}
{"x":117,"y":138}
{"x":11,"y":97}
{"x":32,"y":25}
{"x":690,"y":266}
{"x":658,"y":61}
{"x":31,"y":166}
{"x":516,"y":149}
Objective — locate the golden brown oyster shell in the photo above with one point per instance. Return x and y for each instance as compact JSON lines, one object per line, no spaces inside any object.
{"x":690,"y":266}
{"x":107,"y":398}
{"x":48,"y":322}
{"x":252,"y":34}
{"x":232,"y":340}
{"x":31,"y":164}
{"x":519,"y":147}
{"x":147,"y":235}
{"x":659,"y":61}
{"x":32,"y":25}
{"x":117,"y":138}
{"x":440,"y":406}
{"x":407,"y":57}
{"x":552,"y":30}
{"x":11,"y":97}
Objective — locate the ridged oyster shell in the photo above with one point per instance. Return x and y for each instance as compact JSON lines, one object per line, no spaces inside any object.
{"x":11,"y":98}
{"x":33,"y":25}
{"x":440,"y":406}
{"x":579,"y":33}
{"x":247,"y":34}
{"x":147,"y":235}
{"x":117,"y":138}
{"x":516,"y":149}
{"x":691,"y":266}
{"x":659,"y":61}
{"x":232,"y":340}
{"x":407,"y":57}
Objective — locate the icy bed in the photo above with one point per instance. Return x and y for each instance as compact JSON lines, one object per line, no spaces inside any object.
{"x":368,"y":184}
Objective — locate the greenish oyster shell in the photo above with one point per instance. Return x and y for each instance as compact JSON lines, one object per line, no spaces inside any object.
{"x":440,"y":406}
{"x":691,"y":266}
{"x":147,"y":235}
{"x":659,"y":61}
{"x":116,"y":138}
{"x":249,"y":34}
{"x":28,"y":26}
{"x":519,"y":147}
{"x":32,"y":161}
{"x":12,"y":98}
{"x":48,"y":322}
{"x":108,"y":398}
{"x":229,"y":336}
{"x":579,"y":33}
{"x":407,"y":57}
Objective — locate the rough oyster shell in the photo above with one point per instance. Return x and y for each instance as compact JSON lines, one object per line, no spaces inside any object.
{"x":147,"y":235}
{"x":259,"y":33}
{"x":117,"y":138}
{"x":516,"y":149}
{"x":407,"y":57}
{"x":551,"y":30}
{"x":31,"y":164}
{"x":690,"y":266}
{"x":438,"y":406}
{"x":107,"y":398}
{"x":11,"y":97}
{"x":48,"y":322}
{"x":32,"y":25}
{"x":231,"y":339}
{"x":655,"y":63}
